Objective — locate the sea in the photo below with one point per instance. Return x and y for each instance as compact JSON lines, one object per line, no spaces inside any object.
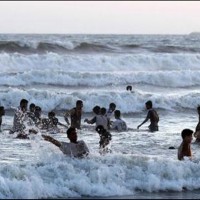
{"x":53,"y":71}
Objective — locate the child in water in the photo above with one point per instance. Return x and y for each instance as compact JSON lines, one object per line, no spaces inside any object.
{"x":185,"y":149}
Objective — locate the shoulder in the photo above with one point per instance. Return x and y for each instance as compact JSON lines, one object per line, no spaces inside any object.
{"x":81,"y":142}
{"x":64,"y":144}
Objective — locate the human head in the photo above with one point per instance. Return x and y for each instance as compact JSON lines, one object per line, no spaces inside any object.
{"x":103,"y":111}
{"x":112,"y":106}
{"x":187,"y":135}
{"x":2,"y":111}
{"x":38,"y":111}
{"x":51,"y":114}
{"x":32,"y":107}
{"x":79,"y":104}
{"x":96,"y":110}
{"x":129,"y":87}
{"x":148,"y":104}
{"x":23,"y":105}
{"x":117,"y":114}
{"x":72,"y":134}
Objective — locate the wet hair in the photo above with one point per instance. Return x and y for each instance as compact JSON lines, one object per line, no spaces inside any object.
{"x":70,"y":130}
{"x":129,"y":87}
{"x":186,"y":132}
{"x":38,"y":108}
{"x":23,"y":101}
{"x":103,"y":111}
{"x":117,"y":113}
{"x":79,"y":102}
{"x":32,"y":105}
{"x":51,"y":114}
{"x":149,"y":103}
{"x":96,"y":109}
{"x":112,"y":105}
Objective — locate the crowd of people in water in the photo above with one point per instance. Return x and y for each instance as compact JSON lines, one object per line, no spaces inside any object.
{"x":30,"y":121}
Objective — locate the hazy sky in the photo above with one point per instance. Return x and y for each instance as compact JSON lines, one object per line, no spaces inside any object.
{"x":129,"y":17}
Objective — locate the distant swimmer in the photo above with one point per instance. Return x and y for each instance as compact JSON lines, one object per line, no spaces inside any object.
{"x":75,"y":148}
{"x":129,"y":88}
{"x":197,"y":130}
{"x":105,"y":138}
{"x":2,"y":113}
{"x":152,"y":115}
{"x":185,"y":147}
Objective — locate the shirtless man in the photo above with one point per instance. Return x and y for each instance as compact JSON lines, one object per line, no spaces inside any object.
{"x":75,"y":115}
{"x":153,"y":116}
{"x":185,"y":149}
{"x":197,"y":129}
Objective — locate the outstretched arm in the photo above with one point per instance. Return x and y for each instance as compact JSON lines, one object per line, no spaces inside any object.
{"x":92,"y":121}
{"x":52,"y":140}
{"x":143,"y":122}
{"x":62,"y":125}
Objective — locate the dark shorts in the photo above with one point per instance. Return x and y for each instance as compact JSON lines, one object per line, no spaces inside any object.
{"x":153,"y":128}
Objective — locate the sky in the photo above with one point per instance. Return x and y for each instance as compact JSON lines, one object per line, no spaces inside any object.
{"x":100,"y":17}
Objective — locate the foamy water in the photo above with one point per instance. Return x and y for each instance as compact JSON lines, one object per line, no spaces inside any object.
{"x":53,"y":71}
{"x":140,"y":161}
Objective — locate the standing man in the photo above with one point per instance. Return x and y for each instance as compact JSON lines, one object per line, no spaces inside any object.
{"x":153,"y":116}
{"x":75,"y":115}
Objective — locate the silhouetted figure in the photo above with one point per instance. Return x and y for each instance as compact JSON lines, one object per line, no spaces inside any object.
{"x":152,"y":115}
{"x":129,"y":88}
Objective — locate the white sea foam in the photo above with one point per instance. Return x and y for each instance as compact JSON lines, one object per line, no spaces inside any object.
{"x":112,"y":175}
{"x":53,"y":71}
{"x":92,"y":63}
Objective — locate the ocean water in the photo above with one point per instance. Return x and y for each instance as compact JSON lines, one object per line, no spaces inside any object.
{"x":53,"y":71}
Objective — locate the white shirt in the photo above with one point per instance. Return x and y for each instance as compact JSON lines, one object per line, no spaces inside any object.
{"x":119,"y":125}
{"x":74,"y":149}
{"x":102,"y":120}
{"x":110,"y":114}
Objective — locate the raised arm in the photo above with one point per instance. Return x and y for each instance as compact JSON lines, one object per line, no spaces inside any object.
{"x":52,"y":140}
